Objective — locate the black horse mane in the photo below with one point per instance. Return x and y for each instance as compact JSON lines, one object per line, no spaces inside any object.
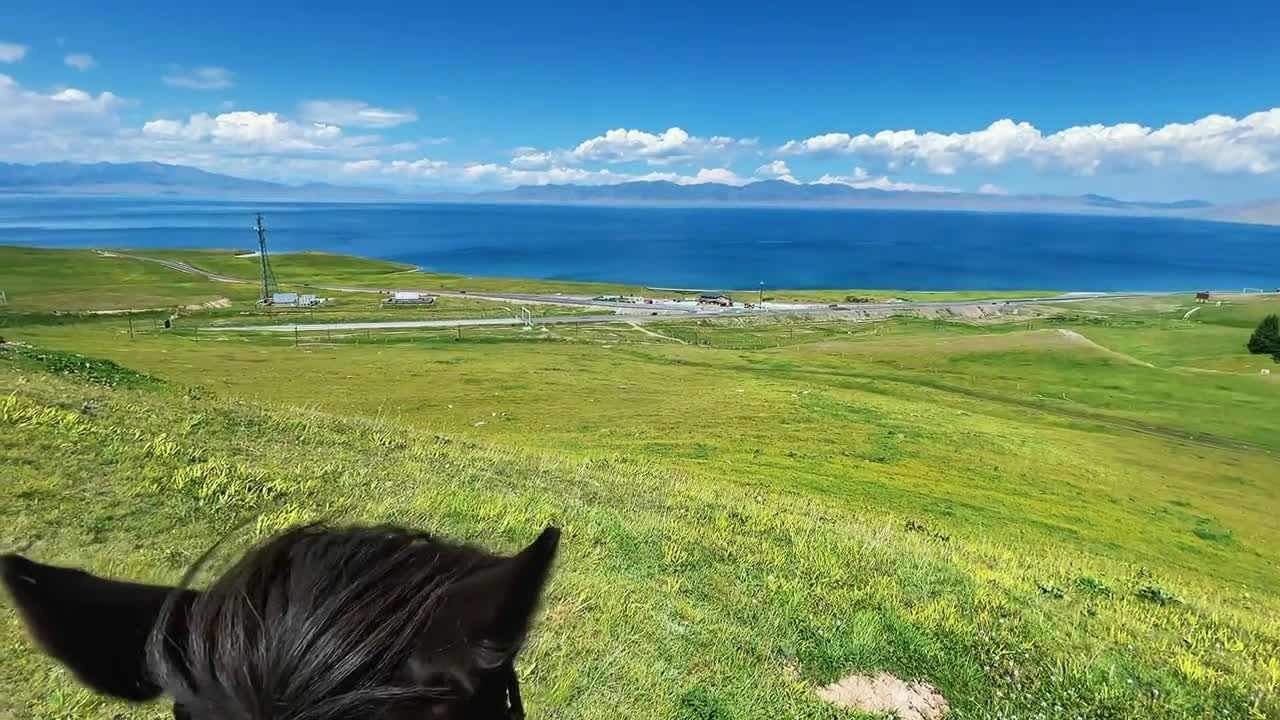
{"x":317,"y":623}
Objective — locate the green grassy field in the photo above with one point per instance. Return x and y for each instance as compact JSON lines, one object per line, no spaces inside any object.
{"x":1069,"y":515}
{"x":75,"y":285}
{"x":293,"y":268}
{"x":297,"y":269}
{"x":36,"y":281}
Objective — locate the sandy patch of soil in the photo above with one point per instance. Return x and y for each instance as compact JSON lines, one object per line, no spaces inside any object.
{"x":889,"y":695}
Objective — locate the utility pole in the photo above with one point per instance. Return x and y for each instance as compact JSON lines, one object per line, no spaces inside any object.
{"x":761,"y":305}
{"x":268,"y":277}
{"x":130,"y":326}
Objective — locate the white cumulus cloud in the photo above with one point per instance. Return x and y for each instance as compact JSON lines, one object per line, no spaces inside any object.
{"x":362,"y":166}
{"x":423,"y":168}
{"x":354,"y":113}
{"x":246,"y":130}
{"x":80,"y":61}
{"x":724,"y":176}
{"x":12,"y":52}
{"x":1216,"y":143}
{"x":21,"y":107}
{"x":500,"y":175}
{"x":622,"y":145}
{"x":38,"y":126}
{"x":673,"y":145}
{"x":205,"y":77}
{"x":776,"y":170}
{"x":863,"y":180}
{"x":607,"y":177}
{"x":497,"y":174}
{"x":992,"y":189}
{"x":533,"y":159}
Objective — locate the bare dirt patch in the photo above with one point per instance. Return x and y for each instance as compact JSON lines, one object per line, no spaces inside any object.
{"x":211,"y":305}
{"x":1075,"y":337}
{"x":887,"y":694}
{"x":647,"y":331}
{"x":1045,"y":340}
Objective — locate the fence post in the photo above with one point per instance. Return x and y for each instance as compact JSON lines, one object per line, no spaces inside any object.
{"x":295,"y":334}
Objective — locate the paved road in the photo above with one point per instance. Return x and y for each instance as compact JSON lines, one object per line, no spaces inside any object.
{"x":850,"y":311}
{"x":411,"y":324}
{"x":529,"y":298}
{"x":631,"y":312}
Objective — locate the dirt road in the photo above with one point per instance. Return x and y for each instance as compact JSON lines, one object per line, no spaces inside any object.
{"x":627,"y":312}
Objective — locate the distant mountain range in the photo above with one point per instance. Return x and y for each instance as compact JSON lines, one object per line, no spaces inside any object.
{"x":152,"y":178}
{"x":1264,"y":212}
{"x":159,"y":179}
{"x":779,"y":193}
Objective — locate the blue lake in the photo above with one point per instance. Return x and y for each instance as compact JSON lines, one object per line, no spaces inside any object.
{"x":688,"y":247}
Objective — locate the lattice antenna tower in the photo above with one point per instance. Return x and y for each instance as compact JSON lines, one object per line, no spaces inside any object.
{"x":269,"y":284}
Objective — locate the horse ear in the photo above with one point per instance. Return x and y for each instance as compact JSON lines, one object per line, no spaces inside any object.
{"x":495,"y":606}
{"x":98,"y":628}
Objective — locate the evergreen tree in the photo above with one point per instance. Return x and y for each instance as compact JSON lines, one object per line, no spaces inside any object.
{"x":1266,"y":339}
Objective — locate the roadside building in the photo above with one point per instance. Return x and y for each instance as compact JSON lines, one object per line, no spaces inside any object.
{"x":289,"y":299}
{"x":409,"y":298}
{"x":715,"y":298}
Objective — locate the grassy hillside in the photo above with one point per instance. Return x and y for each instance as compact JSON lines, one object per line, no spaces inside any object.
{"x":39,"y":280}
{"x":674,"y":594}
{"x":292,"y":268}
{"x":81,"y":283}
{"x":1070,"y":514}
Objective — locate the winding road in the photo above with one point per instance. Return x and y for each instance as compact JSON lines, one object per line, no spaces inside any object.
{"x":628,"y":312}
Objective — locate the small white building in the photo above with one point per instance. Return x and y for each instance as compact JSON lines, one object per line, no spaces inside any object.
{"x":401,"y":297}
{"x":288,"y":299}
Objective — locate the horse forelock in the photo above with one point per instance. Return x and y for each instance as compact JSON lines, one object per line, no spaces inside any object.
{"x":317,"y":623}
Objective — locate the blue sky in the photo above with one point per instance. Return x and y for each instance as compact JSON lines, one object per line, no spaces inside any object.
{"x":1143,"y":101}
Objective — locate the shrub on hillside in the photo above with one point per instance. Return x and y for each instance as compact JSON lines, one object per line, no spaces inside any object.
{"x":1266,"y":339}
{"x":94,"y":370}
{"x":1156,"y":594}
